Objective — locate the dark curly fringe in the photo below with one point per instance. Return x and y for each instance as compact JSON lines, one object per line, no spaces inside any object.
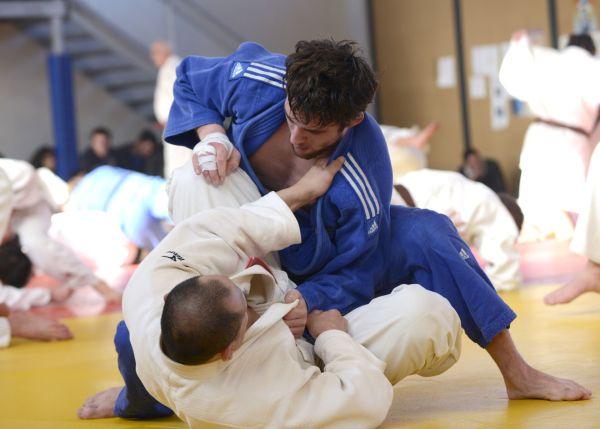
{"x":328,"y":82}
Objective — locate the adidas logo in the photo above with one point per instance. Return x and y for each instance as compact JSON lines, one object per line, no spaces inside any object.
{"x":373,"y":228}
{"x":463,"y":254}
{"x":237,"y":70}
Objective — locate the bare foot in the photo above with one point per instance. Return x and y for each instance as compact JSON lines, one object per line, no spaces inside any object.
{"x":586,"y":281}
{"x":4,"y":310}
{"x":101,"y":405}
{"x":524,"y":382}
{"x":33,"y":327}
{"x":60,"y":293}
{"x":420,"y":140}
{"x":534,"y":384}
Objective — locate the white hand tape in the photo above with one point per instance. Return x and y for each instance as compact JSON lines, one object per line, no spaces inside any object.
{"x":206,"y":152}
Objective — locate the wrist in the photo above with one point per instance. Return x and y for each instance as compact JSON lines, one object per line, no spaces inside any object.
{"x":205,"y":130}
{"x":290,"y":198}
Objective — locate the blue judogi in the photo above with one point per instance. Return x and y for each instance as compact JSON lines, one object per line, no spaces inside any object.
{"x":351,"y":251}
{"x":130,"y":197}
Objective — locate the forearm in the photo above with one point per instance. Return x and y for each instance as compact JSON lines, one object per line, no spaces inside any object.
{"x":23,"y":299}
{"x":352,"y":392}
{"x":294,"y":199}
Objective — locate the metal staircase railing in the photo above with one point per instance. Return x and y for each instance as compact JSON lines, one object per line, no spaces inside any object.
{"x":102,"y":52}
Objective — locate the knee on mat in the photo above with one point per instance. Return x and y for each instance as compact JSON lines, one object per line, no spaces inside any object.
{"x":436,"y":327}
{"x":444,"y":327}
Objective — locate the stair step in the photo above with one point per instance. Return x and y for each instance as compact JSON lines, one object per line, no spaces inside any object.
{"x":41,"y":30}
{"x":85,"y":46}
{"x":99,"y":63}
{"x":135,"y":95}
{"x":119,"y":78}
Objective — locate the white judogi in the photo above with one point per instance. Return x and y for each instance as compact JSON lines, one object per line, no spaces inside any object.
{"x":586,"y":239}
{"x":32,"y":211}
{"x":487,"y":223}
{"x":14,"y":298}
{"x":270,"y":382}
{"x":562,"y":87}
{"x":404,"y":158}
{"x":174,"y":156}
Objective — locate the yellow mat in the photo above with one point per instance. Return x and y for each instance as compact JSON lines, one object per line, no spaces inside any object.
{"x":42,"y":385}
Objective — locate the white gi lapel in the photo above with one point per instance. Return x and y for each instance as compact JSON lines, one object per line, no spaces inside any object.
{"x":260,"y":287}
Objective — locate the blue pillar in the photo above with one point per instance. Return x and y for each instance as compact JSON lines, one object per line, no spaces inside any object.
{"x":60,"y":78}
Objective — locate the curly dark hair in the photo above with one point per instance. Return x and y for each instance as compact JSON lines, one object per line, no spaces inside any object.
{"x":15,"y":266}
{"x":328,"y":82}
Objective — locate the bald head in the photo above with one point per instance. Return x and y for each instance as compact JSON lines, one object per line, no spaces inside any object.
{"x":202,"y":316}
{"x":160,"y":51}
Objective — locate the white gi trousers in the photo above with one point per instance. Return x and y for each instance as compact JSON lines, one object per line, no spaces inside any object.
{"x":413,"y":330}
{"x":586,"y":239}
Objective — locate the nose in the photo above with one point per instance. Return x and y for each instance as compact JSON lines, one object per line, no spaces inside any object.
{"x":296,"y":134}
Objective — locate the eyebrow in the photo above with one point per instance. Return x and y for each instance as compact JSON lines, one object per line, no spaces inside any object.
{"x":306,"y":128}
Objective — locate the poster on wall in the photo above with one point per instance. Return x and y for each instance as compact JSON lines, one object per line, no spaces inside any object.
{"x":446,"y":75}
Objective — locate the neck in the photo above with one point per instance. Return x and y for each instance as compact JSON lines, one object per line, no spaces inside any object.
{"x":252,"y":317}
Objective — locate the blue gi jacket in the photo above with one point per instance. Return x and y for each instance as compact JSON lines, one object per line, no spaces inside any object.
{"x":345,"y":235}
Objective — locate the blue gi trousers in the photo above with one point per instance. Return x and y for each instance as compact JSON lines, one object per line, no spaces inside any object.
{"x":134,"y":401}
{"x":426,"y":249}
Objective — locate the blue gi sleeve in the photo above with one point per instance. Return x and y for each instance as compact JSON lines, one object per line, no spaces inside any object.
{"x":208,"y":90}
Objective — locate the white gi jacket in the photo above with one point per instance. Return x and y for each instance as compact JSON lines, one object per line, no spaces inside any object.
{"x":562,"y":87}
{"x":488,"y":225}
{"x":32,"y":211}
{"x":267,"y":383}
{"x":16,"y":299}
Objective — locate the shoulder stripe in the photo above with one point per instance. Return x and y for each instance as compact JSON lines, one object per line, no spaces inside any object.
{"x":360,"y":197}
{"x":275,"y":76}
{"x":357,"y":180}
{"x":366,"y":181}
{"x":271,"y":68}
{"x":264,"y":79}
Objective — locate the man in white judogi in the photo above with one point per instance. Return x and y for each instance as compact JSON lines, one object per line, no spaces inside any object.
{"x":586,"y":241}
{"x":14,"y":322}
{"x":412,"y":330}
{"x":31,"y":215}
{"x":563,"y":91}
{"x":166,"y":62}
{"x":480,"y":216}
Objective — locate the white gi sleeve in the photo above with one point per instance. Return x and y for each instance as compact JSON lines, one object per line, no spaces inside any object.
{"x":23,"y":299}
{"x":254,"y":229}
{"x":517,"y":71}
{"x":351,"y":392}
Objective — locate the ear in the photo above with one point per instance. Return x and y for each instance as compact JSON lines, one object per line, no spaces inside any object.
{"x":357,"y":120}
{"x":227,"y":354}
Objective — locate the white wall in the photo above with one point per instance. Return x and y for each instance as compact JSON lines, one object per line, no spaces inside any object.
{"x":25,"y":119}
